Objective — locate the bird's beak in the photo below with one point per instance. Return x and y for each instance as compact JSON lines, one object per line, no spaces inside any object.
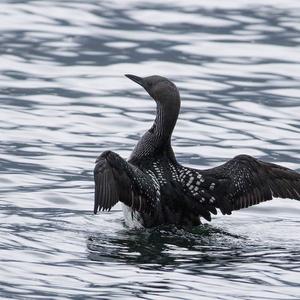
{"x":137,"y":79}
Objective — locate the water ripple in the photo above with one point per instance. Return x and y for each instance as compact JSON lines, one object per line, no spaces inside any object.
{"x":64,"y":100}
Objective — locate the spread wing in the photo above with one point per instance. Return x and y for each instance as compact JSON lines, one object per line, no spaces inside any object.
{"x":251,"y":181}
{"x":241,"y":182}
{"x":117,"y":180}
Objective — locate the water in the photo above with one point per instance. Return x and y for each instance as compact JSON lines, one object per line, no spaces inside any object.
{"x":64,"y":100}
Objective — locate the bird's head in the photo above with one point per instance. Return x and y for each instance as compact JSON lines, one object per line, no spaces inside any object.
{"x":161,"y":89}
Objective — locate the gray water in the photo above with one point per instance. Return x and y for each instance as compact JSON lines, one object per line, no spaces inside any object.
{"x":64,"y":100}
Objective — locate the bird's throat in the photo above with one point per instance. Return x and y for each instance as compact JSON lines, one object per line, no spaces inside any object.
{"x":165,"y":121}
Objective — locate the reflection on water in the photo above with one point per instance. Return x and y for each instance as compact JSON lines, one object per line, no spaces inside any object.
{"x":64,"y":100}
{"x":164,"y":246}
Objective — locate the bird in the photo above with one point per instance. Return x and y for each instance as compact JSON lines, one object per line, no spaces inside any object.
{"x":155,"y":189}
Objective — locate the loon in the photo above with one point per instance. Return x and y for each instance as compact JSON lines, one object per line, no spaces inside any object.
{"x":156,"y":190}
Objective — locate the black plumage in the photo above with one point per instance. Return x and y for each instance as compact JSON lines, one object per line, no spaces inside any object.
{"x":155,"y":189}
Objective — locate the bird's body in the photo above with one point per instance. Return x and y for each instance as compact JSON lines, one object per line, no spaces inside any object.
{"x":155,"y":189}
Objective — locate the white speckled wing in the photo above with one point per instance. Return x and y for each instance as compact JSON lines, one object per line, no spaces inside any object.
{"x":248,"y":181}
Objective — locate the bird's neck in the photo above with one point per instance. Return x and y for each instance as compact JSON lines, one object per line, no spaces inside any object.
{"x":156,"y":142}
{"x":165,"y":121}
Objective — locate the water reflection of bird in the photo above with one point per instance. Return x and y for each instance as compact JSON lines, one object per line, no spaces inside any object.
{"x":155,"y":189}
{"x":168,"y":246}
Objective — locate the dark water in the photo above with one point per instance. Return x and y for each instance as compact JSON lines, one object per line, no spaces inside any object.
{"x":64,"y":100}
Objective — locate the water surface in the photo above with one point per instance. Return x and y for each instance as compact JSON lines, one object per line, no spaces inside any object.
{"x":64,"y":100}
